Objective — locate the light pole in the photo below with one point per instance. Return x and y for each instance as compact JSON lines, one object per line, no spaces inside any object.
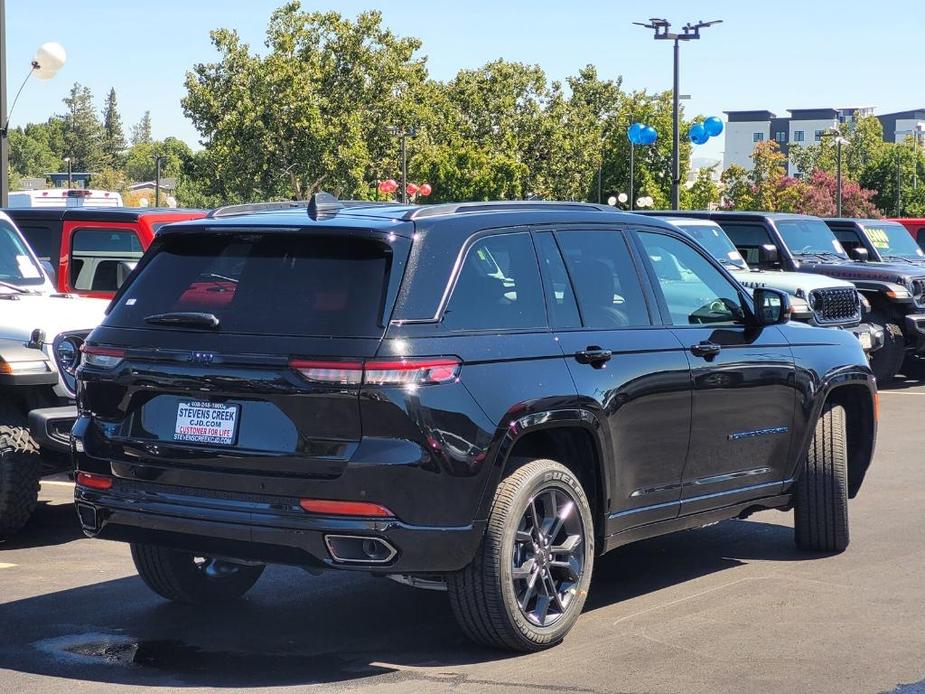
{"x":47,"y":61}
{"x":689,"y":32}
{"x":67,"y":160}
{"x":157,"y":180}
{"x":839,"y":141}
{"x":404,"y":134}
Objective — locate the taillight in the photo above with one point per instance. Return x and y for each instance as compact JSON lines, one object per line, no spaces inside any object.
{"x":103,"y":357}
{"x":85,"y":479}
{"x":330,"y":507}
{"x":411,"y":371}
{"x":342,"y":372}
{"x":399,"y":372}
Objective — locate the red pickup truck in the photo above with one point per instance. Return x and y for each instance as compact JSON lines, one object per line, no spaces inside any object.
{"x":92,"y":250}
{"x":916,"y":227}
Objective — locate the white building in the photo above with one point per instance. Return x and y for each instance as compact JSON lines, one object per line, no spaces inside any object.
{"x":802,"y":127}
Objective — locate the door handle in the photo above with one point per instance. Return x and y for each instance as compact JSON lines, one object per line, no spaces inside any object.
{"x":705,"y":349}
{"x":593,"y":355}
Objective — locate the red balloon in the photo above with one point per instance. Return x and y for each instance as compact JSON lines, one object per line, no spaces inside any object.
{"x":383,"y":187}
{"x":425,"y":189}
{"x":412,"y":188}
{"x":393,"y":185}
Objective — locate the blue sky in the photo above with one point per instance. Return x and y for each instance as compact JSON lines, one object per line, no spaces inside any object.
{"x":765,"y":55}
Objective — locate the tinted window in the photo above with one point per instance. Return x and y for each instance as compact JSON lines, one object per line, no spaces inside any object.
{"x":498,"y":286}
{"x":16,"y":263}
{"x":45,"y":241}
{"x":559,"y":295}
{"x":265,"y":284}
{"x":695,"y":291}
{"x":848,"y":238}
{"x":605,"y":279}
{"x":748,"y":237}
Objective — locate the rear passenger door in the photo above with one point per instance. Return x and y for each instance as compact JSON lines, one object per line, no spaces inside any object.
{"x":743,"y":378}
{"x":100,"y":257}
{"x":629,"y":369}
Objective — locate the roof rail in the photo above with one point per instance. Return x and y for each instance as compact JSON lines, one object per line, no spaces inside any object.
{"x":321,"y":204}
{"x":500,"y":206}
{"x":251,"y":207}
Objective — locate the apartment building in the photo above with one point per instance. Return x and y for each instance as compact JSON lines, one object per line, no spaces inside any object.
{"x":806,"y":126}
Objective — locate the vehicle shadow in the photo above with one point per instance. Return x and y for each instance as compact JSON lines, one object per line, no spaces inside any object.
{"x":50,"y":524}
{"x":299,"y":629}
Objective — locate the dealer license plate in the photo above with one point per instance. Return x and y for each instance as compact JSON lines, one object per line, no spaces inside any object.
{"x":207,"y":422}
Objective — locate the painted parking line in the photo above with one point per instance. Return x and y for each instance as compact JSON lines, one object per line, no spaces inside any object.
{"x":897,"y":392}
{"x":6,"y":566}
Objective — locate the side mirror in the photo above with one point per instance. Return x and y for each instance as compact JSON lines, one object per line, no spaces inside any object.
{"x":772,"y":306}
{"x":767,"y":254}
{"x":860,"y":254}
{"x":50,"y":271}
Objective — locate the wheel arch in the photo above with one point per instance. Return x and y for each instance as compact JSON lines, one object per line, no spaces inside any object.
{"x":860,"y":406}
{"x":571,"y":437}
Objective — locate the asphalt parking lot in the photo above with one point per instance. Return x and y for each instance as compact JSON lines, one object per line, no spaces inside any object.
{"x":732,"y":607}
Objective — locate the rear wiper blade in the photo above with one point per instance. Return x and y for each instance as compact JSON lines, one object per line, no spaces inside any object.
{"x":188,"y":319}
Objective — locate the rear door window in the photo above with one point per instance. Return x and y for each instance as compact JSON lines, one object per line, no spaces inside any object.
{"x":44,"y":239}
{"x":498,"y":287}
{"x":605,"y":278}
{"x":102,"y":258}
{"x":282,"y":284}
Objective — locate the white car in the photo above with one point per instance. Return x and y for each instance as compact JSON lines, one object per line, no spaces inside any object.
{"x":41,"y":332}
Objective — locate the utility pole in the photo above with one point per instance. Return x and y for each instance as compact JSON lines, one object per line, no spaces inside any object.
{"x":403,"y":134}
{"x":67,"y":160}
{"x":689,"y":32}
{"x":838,"y":144}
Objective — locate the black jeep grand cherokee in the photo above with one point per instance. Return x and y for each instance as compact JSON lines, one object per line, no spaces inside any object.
{"x":481,"y":397}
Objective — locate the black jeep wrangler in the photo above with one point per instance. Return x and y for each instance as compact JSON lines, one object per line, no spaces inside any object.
{"x":480,"y":397}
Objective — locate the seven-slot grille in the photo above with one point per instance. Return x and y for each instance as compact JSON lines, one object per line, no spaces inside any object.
{"x":836,"y":305}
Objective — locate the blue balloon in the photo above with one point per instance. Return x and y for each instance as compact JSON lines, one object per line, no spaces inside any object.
{"x":713,"y":126}
{"x":634,"y":132}
{"x":697,"y":134}
{"x":649,"y":135}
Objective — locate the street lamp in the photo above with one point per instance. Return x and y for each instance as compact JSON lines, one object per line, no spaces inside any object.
{"x":404,"y":134}
{"x":49,"y":58}
{"x":839,"y":141}
{"x":157,"y":179}
{"x":67,"y":160}
{"x":689,"y":32}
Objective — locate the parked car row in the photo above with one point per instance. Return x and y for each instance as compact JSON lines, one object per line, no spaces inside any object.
{"x":479,"y":398}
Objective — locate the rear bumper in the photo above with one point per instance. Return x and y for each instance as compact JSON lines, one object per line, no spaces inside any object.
{"x":255,"y":529}
{"x":51,"y":427}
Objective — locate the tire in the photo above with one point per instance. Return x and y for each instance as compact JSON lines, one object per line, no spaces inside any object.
{"x":486,"y":595}
{"x":888,"y":360}
{"x":184,"y":577}
{"x":821,"y":504}
{"x":20,"y":470}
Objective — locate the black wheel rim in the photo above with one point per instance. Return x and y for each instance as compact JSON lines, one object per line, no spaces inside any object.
{"x":215,"y":569}
{"x":548,"y":556}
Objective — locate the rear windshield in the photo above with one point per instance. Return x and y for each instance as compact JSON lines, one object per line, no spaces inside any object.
{"x":278,"y":284}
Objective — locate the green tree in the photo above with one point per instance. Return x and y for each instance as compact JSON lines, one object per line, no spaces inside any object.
{"x":313,"y":110}
{"x":140,"y":160}
{"x":31,"y":156}
{"x":113,"y":135}
{"x":141,"y":131}
{"x":109,"y":179}
{"x":705,"y":192}
{"x":767,"y":174}
{"x":896,"y":166}
{"x":83,"y":132}
{"x":737,"y":189}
